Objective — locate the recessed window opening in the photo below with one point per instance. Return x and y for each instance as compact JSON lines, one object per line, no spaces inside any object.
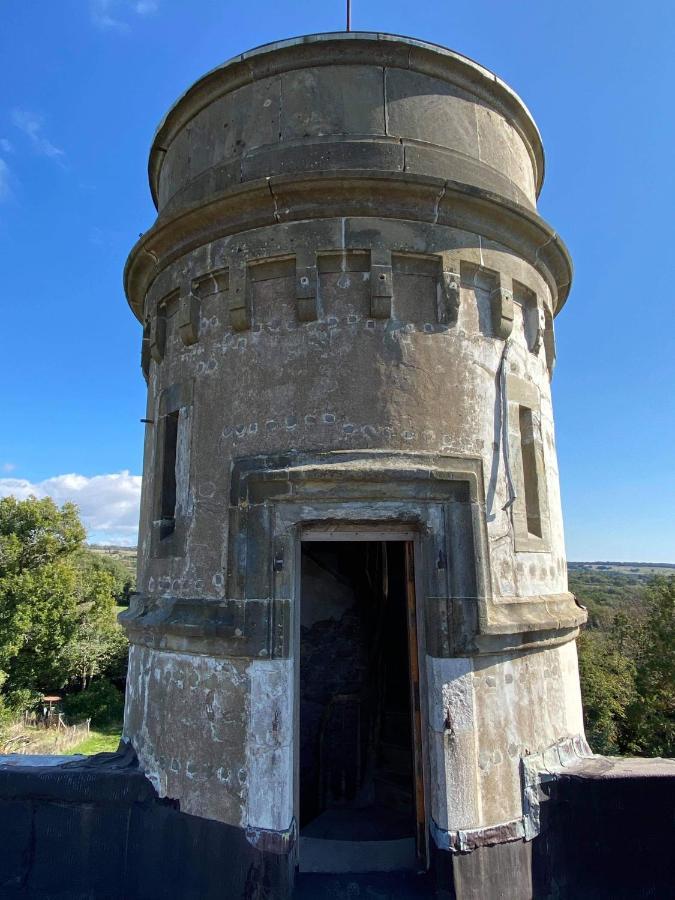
{"x":527,"y":300}
{"x":356,"y":765}
{"x":549,"y":340}
{"x":530,"y":477}
{"x":167,"y":510}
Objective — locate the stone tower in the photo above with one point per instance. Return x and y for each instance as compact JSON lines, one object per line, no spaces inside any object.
{"x":353,"y":622}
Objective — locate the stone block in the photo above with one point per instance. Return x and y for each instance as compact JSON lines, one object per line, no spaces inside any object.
{"x":427,"y":109}
{"x":332,"y":100}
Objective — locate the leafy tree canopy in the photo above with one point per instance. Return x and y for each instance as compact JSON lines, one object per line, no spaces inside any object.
{"x":57,"y":601}
{"x":627,"y":669}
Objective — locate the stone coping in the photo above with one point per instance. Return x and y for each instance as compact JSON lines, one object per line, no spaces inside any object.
{"x":346,"y":48}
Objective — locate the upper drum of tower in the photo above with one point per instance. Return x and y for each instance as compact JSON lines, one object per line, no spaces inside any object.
{"x":346,"y":102}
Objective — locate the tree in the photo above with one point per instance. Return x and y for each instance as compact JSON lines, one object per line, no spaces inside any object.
{"x":98,"y":644}
{"x":627,"y":671}
{"x":651,"y":717}
{"x":93,"y":562}
{"x":36,"y":532}
{"x":37,"y":588}
{"x":57,"y":600}
{"x":607,"y":689}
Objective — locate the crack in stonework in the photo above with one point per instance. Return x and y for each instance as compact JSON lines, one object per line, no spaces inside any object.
{"x":274,"y":200}
{"x":439,"y":200}
{"x":553,"y":237}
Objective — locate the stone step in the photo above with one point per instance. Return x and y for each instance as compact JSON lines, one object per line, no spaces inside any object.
{"x":398,"y":886}
{"x":335,"y":857}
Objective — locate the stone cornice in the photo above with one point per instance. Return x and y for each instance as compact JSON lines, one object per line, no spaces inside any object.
{"x":348,"y":194}
{"x":233,"y":628}
{"x":347,"y":48}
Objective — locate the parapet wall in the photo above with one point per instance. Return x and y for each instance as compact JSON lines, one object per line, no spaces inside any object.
{"x":96,"y":829}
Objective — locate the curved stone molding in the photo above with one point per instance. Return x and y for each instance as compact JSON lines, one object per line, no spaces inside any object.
{"x":350,"y":195}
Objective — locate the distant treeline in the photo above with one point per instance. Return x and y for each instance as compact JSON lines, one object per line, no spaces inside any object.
{"x":622,"y":565}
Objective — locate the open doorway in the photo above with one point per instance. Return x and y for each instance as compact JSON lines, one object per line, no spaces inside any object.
{"x":361,"y":805}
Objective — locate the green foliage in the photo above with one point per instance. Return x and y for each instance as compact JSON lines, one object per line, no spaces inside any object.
{"x":38,"y":582}
{"x":36,"y":532}
{"x":651,"y":717}
{"x":6,"y":713}
{"x":58,"y":627}
{"x":627,"y":669}
{"x":94,"y":562}
{"x":98,"y":645}
{"x":105,"y":739}
{"x":606,"y":593}
{"x":20,"y":700}
{"x":101,"y":702}
{"x":607,"y":688}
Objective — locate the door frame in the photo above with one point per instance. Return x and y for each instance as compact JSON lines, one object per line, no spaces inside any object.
{"x":273,"y":499}
{"x":372,"y":533}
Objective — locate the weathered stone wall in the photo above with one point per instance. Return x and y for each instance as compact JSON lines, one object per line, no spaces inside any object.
{"x":372,"y":103}
{"x":348,"y":280}
{"x":346,"y":379}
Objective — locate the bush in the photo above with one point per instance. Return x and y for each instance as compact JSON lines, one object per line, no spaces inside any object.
{"x":607,"y":689}
{"x":22,"y":700}
{"x":101,"y":702}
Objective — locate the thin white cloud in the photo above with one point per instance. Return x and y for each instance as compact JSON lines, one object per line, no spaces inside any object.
{"x":110,"y":15}
{"x":31,"y":125}
{"x":5,"y":189}
{"x":6,"y":146}
{"x":146,"y":7}
{"x":8,"y":467}
{"x":109,"y":504}
{"x":102,"y":17}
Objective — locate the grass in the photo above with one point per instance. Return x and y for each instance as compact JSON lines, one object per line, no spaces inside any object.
{"x":104,"y":739}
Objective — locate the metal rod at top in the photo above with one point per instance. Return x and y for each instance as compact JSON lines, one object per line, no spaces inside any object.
{"x":349,"y":15}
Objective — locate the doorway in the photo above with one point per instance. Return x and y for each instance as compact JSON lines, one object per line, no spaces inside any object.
{"x":360,"y":793}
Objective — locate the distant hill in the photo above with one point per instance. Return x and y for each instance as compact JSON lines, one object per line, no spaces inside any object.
{"x":641,"y":569}
{"x":606,"y":588}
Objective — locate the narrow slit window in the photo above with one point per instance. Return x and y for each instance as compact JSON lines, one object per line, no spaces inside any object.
{"x":167,"y":510}
{"x":530,"y":476}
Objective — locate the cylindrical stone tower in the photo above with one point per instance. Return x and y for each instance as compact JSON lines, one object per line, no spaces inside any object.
{"x":353,"y":602}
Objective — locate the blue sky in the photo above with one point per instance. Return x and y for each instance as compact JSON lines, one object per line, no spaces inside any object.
{"x":84,"y":84}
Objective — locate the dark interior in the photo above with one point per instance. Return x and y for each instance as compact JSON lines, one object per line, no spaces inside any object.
{"x":356,"y":763}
